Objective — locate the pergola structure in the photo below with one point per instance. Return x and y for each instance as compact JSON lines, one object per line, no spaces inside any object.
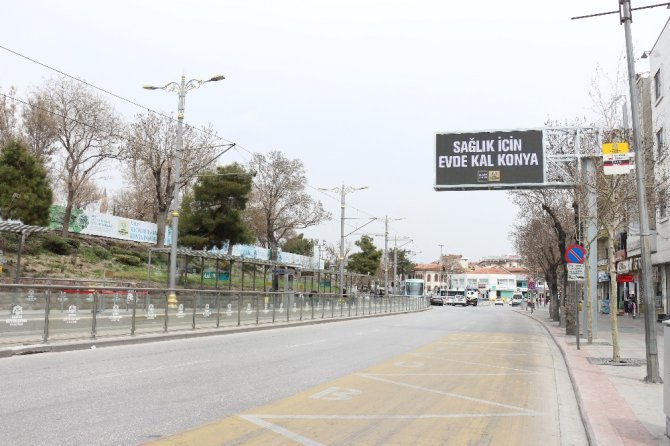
{"x":25,"y":230}
{"x":288,"y":270}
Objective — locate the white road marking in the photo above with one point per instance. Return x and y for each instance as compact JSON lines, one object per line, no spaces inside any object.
{"x":152,"y":369}
{"x":455,"y":395}
{"x":391,"y":417}
{"x":258,"y":421}
{"x":367,"y":332}
{"x":472,"y":363}
{"x":450,"y":374}
{"x":484,"y":354}
{"x":336,"y":394}
{"x":307,"y":343}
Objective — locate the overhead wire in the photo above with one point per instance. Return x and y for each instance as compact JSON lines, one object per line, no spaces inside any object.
{"x":228,"y":143}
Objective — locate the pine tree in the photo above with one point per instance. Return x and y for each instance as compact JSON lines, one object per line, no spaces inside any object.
{"x":25,"y":193}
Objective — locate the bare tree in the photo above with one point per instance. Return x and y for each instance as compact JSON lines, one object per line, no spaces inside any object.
{"x":557,"y":206}
{"x":8,"y":120}
{"x":40,"y":130}
{"x":150,"y":158}
{"x":536,"y":242}
{"x":88,"y":131}
{"x":279,"y":202}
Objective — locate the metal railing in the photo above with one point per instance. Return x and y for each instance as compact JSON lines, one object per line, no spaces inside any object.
{"x":40,"y":313}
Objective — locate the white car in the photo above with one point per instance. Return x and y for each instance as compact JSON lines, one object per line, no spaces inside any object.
{"x":499,"y":301}
{"x":460,"y":299}
{"x":449,"y":300}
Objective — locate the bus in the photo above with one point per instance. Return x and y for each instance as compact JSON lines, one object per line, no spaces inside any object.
{"x":412,"y":287}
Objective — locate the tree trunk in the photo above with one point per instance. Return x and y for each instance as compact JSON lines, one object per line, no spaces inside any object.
{"x":68,"y":213}
{"x":614,"y":300}
{"x":161,"y":221}
{"x":555,"y":303}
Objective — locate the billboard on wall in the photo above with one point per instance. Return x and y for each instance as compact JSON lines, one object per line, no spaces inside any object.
{"x":495,"y":159}
{"x":105,"y":225}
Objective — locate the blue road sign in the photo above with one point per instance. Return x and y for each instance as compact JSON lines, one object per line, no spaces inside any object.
{"x":575,"y":254}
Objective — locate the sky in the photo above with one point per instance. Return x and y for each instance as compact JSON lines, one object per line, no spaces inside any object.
{"x":355,"y":89}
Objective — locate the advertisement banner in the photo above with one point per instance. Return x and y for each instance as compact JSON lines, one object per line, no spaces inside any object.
{"x":105,"y":225}
{"x":505,"y":159}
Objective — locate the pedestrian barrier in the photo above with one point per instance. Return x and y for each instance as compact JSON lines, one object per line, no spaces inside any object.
{"x":40,"y":313}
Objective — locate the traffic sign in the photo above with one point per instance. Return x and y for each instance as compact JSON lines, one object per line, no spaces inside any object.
{"x":575,"y":254}
{"x":576,"y":272}
{"x":531,"y":284}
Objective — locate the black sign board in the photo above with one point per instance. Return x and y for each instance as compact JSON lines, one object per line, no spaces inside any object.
{"x":497,"y":159}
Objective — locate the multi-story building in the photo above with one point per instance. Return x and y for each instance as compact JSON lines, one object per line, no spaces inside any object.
{"x":490,"y":281}
{"x":657,"y":90}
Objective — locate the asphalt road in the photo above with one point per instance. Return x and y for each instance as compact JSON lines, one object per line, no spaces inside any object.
{"x":474,"y":375}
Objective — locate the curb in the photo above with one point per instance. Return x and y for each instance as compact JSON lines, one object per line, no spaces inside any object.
{"x":588,"y":427}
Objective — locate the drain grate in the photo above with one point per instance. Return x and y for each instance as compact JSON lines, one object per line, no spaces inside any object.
{"x":634,"y":362}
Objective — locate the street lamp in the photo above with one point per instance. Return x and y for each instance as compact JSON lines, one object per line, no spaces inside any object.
{"x":181,"y":89}
{"x":344,"y":190}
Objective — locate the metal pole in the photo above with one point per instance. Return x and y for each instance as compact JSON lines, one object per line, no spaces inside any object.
{"x":592,"y":235}
{"x":653,"y":375}
{"x":341,"y":278}
{"x":386,"y":265}
{"x":395,"y":266}
{"x":576,"y":313}
{"x":22,"y":242}
{"x":172,"y":289}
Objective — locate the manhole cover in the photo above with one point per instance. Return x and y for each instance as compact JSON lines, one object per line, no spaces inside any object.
{"x":624,"y":362}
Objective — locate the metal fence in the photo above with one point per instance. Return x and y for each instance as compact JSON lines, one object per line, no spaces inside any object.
{"x":40,"y":313}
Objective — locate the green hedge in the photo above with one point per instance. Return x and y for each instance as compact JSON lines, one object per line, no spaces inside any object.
{"x":57,"y":245}
{"x":129,"y":260}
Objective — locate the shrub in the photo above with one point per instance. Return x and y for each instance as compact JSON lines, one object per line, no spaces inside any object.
{"x":57,"y":245}
{"x":101,"y":253}
{"x":129,"y":260}
{"x":120,"y":251}
{"x":74,"y":244}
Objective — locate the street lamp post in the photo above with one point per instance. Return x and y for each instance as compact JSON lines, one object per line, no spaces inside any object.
{"x":344,"y":190}
{"x":181,"y":89}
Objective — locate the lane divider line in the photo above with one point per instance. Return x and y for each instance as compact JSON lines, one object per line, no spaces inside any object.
{"x":455,"y":395}
{"x":421,"y":355}
{"x":307,"y":343}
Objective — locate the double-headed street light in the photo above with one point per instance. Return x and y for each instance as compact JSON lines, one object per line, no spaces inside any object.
{"x":181,"y":89}
{"x":344,"y":190}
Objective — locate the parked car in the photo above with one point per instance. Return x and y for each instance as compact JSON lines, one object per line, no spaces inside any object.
{"x":460,"y":299}
{"x":456,"y":297}
{"x":517,"y":299}
{"x":449,"y":300}
{"x":437,"y":300}
{"x":471,"y":297}
{"x":499,"y":301}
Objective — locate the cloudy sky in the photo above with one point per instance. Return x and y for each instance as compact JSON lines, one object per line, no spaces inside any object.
{"x":355,"y":89}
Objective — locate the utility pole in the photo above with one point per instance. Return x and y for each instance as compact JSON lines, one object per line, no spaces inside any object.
{"x":386,"y":246}
{"x":344,"y":190}
{"x":625,"y":18}
{"x":395,"y":264}
{"x":645,"y":245}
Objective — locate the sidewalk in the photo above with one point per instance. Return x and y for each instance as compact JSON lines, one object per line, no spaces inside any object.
{"x":618,"y":407}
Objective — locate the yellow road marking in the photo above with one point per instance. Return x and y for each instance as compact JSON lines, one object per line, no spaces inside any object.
{"x":421,"y":397}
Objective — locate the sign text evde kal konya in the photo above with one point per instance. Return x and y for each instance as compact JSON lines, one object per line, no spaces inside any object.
{"x":504,"y":159}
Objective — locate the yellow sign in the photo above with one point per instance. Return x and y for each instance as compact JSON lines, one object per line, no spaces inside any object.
{"x":612,"y":148}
